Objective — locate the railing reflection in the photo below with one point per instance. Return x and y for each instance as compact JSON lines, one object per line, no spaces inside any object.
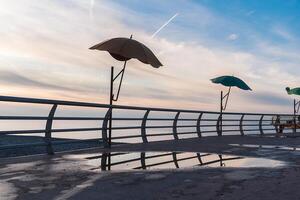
{"x":160,"y":160}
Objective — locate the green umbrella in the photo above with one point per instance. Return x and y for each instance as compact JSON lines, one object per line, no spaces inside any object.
{"x":295,"y":91}
{"x":231,"y":81}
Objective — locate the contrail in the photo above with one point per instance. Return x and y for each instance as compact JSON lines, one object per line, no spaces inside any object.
{"x":163,"y":26}
{"x":91,"y":12}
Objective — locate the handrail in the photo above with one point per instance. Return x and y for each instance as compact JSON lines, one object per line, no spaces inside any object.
{"x":201,"y":123}
{"x":85,"y":104}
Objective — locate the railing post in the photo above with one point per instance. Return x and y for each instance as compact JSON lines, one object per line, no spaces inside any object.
{"x":199,"y":158}
{"x":221,"y":161}
{"x":143,"y":160}
{"x":105,"y":127}
{"x":143,"y":127}
{"x":241,"y":125}
{"x":175,"y":134}
{"x":48,"y":130}
{"x":104,"y":161}
{"x":295,"y":111}
{"x":219,"y":125}
{"x":198,"y":125}
{"x":260,"y":125}
{"x":175,"y":159}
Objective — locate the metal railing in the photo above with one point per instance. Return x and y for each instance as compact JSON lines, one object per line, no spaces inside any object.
{"x":196,"y":124}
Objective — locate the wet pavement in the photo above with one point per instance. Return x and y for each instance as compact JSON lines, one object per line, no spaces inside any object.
{"x":230,"y":167}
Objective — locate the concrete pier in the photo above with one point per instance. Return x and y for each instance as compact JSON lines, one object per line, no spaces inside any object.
{"x":70,"y":175}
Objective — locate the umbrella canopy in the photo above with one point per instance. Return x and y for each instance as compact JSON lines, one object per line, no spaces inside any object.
{"x":124,"y":49}
{"x":295,"y":91}
{"x":231,"y":81}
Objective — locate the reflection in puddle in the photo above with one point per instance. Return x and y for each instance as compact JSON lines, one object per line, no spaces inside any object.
{"x":279,"y":147}
{"x":173,"y":160}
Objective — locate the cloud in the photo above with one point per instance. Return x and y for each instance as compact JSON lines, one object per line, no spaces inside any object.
{"x":13,"y":78}
{"x":45,"y":45}
{"x":267,"y":98}
{"x":251,"y":12}
{"x":283,"y":33}
{"x":232,"y":37}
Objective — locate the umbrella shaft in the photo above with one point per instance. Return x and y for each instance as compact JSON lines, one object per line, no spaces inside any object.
{"x":226,"y":97}
{"x":120,"y":83}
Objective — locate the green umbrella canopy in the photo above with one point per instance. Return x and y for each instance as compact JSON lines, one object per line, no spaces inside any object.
{"x":295,"y":91}
{"x":231,"y":81}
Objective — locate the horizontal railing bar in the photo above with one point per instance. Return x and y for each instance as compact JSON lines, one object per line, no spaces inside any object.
{"x":269,"y":129}
{"x":120,"y":128}
{"x":125,"y":161}
{"x":160,"y":134}
{"x":78,"y":118}
{"x":185,"y":133}
{"x":76,"y":129}
{"x":217,"y":161}
{"x":159,"y":163}
{"x":22,"y":132}
{"x":102,"y":118}
{"x":186,"y":158}
{"x":165,"y":134}
{"x":147,"y":157}
{"x":138,"y":159}
{"x":100,"y":156}
{"x":152,"y":135}
{"x":49,"y":101}
{"x":126,"y":137}
{"x":23,"y":118}
{"x":36,"y":144}
{"x":170,"y":161}
{"x":157,"y":156}
{"x":161,"y":155}
{"x":85,"y":104}
{"x":53,"y":130}
{"x":71,"y":141}
{"x":151,"y":165}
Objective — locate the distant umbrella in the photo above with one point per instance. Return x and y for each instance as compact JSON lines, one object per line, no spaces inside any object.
{"x":295,"y":91}
{"x":231,"y":81}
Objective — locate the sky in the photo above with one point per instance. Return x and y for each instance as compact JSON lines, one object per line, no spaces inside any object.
{"x":44,"y":51}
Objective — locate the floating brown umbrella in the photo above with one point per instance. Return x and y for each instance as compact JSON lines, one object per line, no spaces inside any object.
{"x":124,"y":49}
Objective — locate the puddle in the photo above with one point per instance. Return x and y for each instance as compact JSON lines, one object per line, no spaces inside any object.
{"x":271,"y":147}
{"x":174,"y":160}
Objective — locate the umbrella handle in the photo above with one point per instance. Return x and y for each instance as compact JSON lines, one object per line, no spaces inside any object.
{"x":226,"y":96}
{"x":120,"y":83}
{"x":297,"y":107}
